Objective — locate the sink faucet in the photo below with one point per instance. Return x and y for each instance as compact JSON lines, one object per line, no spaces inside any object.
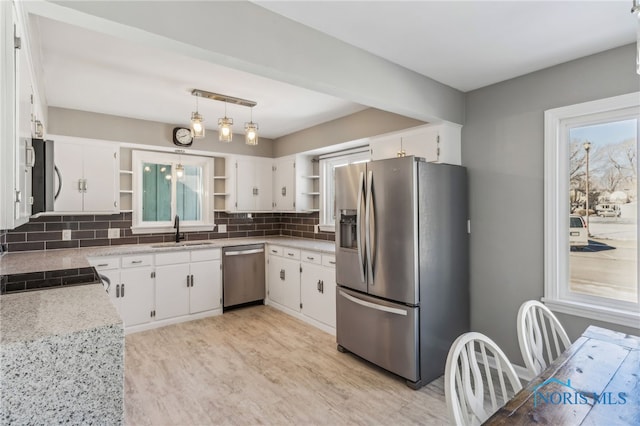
{"x":176,"y":224}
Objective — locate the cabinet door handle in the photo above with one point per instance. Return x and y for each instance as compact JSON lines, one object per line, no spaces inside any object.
{"x":122,"y":290}
{"x":188,"y":281}
{"x":282,"y":274}
{"x":84,"y":185}
{"x":117,"y":291}
{"x":31,"y":156}
{"x":310,"y":258}
{"x":191,"y":280}
{"x":318,"y":286}
{"x":322,"y":286}
{"x":284,"y":191}
{"x":79,"y":185}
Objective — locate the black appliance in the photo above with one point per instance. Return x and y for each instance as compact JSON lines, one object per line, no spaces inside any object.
{"x":43,"y":177}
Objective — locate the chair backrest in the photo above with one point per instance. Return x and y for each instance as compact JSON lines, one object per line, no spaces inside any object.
{"x":540,"y":335}
{"x":475,"y":365}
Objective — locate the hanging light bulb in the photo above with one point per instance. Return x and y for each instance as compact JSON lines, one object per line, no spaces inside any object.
{"x":179,"y":170}
{"x":251,"y":131}
{"x":225,"y":132}
{"x":197,"y":128}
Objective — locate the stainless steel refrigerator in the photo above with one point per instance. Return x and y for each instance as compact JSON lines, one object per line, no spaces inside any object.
{"x":402,"y":264}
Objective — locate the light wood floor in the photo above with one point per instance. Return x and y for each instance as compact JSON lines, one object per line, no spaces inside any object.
{"x":258,"y":365}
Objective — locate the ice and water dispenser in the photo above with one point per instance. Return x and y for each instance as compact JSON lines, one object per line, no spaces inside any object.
{"x":348,"y":229}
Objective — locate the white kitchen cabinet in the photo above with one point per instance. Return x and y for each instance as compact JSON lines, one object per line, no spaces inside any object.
{"x":284,"y":282}
{"x":136,"y":295}
{"x":206,"y":286}
{"x":284,"y":190}
{"x":253,"y":184}
{"x":318,"y":292}
{"x":172,"y":290}
{"x":89,"y":173}
{"x":439,"y":143}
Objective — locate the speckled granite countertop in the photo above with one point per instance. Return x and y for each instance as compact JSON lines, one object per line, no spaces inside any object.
{"x":48,"y":260}
{"x":35,"y":314}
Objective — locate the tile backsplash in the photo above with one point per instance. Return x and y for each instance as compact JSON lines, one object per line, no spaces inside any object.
{"x":45,"y":232}
{"x":3,"y":241}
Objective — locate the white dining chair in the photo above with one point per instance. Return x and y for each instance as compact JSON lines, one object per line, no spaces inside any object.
{"x":540,"y":335}
{"x":475,"y":366}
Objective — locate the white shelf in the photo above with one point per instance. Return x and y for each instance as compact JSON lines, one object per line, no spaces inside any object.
{"x":310,"y":193}
{"x":311,"y":177}
{"x":312,"y":210}
{"x":221,"y":194}
{"x":126,"y":172}
{"x":126,"y":211}
{"x":126,"y":191}
{"x":220,"y":177}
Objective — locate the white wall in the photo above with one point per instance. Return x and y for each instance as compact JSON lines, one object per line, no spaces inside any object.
{"x":502,"y":147}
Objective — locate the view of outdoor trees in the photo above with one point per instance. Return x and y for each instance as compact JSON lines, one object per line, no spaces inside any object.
{"x":603,"y":198}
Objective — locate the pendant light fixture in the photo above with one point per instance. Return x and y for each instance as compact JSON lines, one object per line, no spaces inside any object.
{"x":225,"y":124}
{"x":225,"y":132}
{"x":197,"y":128}
{"x":251,"y":131}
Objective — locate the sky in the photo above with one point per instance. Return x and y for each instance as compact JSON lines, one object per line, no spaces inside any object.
{"x":606,"y":133}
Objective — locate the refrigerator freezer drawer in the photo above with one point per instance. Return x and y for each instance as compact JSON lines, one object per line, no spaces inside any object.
{"x":381,"y":332}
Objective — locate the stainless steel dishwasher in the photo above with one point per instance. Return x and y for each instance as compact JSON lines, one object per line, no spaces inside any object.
{"x":243,"y":273}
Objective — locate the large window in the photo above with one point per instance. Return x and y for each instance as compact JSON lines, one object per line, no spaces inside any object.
{"x":328,"y":165}
{"x":591,"y":209}
{"x":169,"y":185}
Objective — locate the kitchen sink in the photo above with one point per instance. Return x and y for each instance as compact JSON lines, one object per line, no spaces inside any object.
{"x":183,"y":244}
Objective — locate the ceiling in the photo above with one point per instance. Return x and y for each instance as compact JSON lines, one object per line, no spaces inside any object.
{"x":465,"y":45}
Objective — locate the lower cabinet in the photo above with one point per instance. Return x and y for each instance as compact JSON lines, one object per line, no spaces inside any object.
{"x":318,"y":293}
{"x":136,"y":295}
{"x":304,"y":282}
{"x":146,"y":288}
{"x":284,"y":282}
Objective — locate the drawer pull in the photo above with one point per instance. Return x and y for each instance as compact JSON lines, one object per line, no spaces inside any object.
{"x":310,"y":258}
{"x":102,"y":265}
{"x":289,"y":254}
{"x":134,"y":262}
{"x":333,"y":262}
{"x":274,"y":251}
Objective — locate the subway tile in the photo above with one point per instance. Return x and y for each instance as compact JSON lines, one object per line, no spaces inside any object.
{"x":108,"y":217}
{"x":94,"y":225}
{"x":310,"y":235}
{"x":255,"y":234}
{"x":16,"y":238}
{"x":272,"y":232}
{"x":83,"y":235}
{"x":194,"y":236}
{"x":218,"y":235}
{"x":79,"y":218}
{"x":44,"y":236}
{"x":150,"y":239}
{"x":102,"y":233}
{"x":51,"y":245}
{"x":59,"y":226}
{"x":264,"y":226}
{"x":237,"y":234}
{"x":94,"y":243}
{"x":26,"y":246}
{"x":123,"y":241}
{"x":296,"y":234}
{"x":120,"y":224}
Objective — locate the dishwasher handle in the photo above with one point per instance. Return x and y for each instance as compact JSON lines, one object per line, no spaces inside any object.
{"x":243,"y":252}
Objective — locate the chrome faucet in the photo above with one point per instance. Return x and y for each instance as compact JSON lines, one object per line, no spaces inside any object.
{"x":176,"y":224}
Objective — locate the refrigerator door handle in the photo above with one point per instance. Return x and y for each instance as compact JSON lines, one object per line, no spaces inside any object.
{"x":373,"y":305}
{"x":359,"y":225}
{"x":367,"y":215}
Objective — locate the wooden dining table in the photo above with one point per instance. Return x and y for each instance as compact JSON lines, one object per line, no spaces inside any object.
{"x":596,"y":381}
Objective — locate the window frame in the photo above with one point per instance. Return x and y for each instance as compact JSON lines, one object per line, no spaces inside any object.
{"x":557,"y":295}
{"x":328,"y":163}
{"x":204,"y":224}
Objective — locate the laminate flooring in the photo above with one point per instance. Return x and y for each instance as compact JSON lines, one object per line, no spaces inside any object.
{"x":257,"y":365}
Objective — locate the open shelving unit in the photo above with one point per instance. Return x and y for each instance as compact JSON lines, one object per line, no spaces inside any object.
{"x":126,"y":181}
{"x":220,"y":194}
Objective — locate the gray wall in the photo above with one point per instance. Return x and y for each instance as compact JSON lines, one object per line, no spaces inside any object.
{"x":369,"y":122}
{"x":502,"y":147}
{"x":85,"y":124}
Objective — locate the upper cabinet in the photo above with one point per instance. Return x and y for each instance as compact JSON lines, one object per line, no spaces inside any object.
{"x":438,"y":143}
{"x":284,"y":179}
{"x":20,"y":116}
{"x":253,"y":184}
{"x":88,"y":176}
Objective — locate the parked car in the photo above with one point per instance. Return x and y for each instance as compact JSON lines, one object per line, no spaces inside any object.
{"x":608,"y":210}
{"x":578,"y":234}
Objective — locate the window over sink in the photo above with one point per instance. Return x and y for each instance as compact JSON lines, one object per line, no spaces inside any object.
{"x":169,"y":185}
